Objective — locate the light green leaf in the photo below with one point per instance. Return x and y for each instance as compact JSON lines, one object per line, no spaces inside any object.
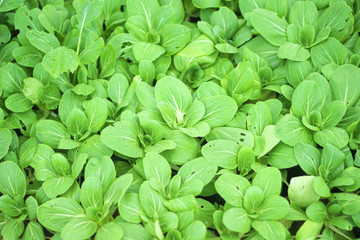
{"x":219,"y":110}
{"x":12,"y":179}
{"x":91,"y":194}
{"x":273,"y":208}
{"x":122,"y":137}
{"x":270,"y":26}
{"x":237,"y":220}
{"x":18,"y":103}
{"x":110,"y":231}
{"x":50,"y":132}
{"x":156,"y":166}
{"x":79,"y":228}
{"x":96,"y":112}
{"x":198,"y":168}
{"x":60,"y":60}
{"x":232,"y":188}
{"x":147,"y":51}
{"x":56,"y":213}
{"x":43,"y":41}
{"x":33,"y":231}
{"x":202,"y":46}
{"x":5,"y":141}
{"x":290,"y":130}
{"x":117,"y":189}
{"x":344,"y":83}
{"x":308,"y":158}
{"x":270,"y":230}
{"x":293,"y":52}
{"x":129,"y":208}
{"x":335,"y":136}
{"x":269,"y":180}
{"x":223,"y":153}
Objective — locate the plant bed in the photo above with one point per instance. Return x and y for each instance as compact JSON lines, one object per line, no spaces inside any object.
{"x":170,"y":119}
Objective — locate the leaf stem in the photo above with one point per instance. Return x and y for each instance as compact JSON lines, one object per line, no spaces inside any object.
{"x":334,"y":229}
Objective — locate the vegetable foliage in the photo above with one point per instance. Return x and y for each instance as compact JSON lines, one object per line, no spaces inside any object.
{"x":179,"y":119}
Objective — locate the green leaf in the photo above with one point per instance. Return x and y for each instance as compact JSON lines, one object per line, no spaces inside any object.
{"x":57,"y":186}
{"x":202,"y":4}
{"x":303,"y":13}
{"x":56,"y":213}
{"x":78,"y":229}
{"x":308,"y":158}
{"x":187,"y":148}
{"x":309,"y":230}
{"x":33,"y":231}
{"x":277,"y":6}
{"x":174,"y":37}
{"x":335,"y":136}
{"x":338,"y":16}
{"x":195,"y":231}
{"x":343,"y":83}
{"x":133,"y":231}
{"x":117,"y":189}
{"x":92,"y":50}
{"x":150,"y":200}
{"x":91,"y":193}
{"x":12,"y":76}
{"x":301,"y":191}
{"x":247,"y":6}
{"x":129,"y":208}
{"x":290,"y":130}
{"x":306,"y":98}
{"x":60,"y":60}
{"x":237,"y":220}
{"x":201,"y":46}
{"x":232,"y":188}
{"x":225,"y":22}
{"x":147,"y":51}
{"x":9,"y":207}
{"x":13,"y":180}
{"x":181,"y":204}
{"x":156,"y":166}
{"x":43,"y":41}
{"x":219,"y":110}
{"x":198,"y":168}
{"x":107,"y":61}
{"x":270,"y":26}
{"x":269,"y":180}
{"x":110,"y":231}
{"x":27,"y":56}
{"x":103,"y":169}
{"x":13,"y":229}
{"x":259,"y":117}
{"x":122,"y":137}
{"x":332,"y":113}
{"x":200,"y":129}
{"x":273,"y":208}
{"x":96,"y":112}
{"x":5,"y":141}
{"x":51,"y":132}
{"x":316,"y":212}
{"x":223,"y":153}
{"x":331,"y":158}
{"x":77,"y":123}
{"x":270,"y":230}
{"x":18,"y":103}
{"x":321,"y":188}
{"x":330,"y":51}
{"x":293,"y":52}
{"x":171,"y":92}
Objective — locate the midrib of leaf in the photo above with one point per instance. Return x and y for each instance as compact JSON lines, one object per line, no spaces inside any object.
{"x":81,"y":29}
